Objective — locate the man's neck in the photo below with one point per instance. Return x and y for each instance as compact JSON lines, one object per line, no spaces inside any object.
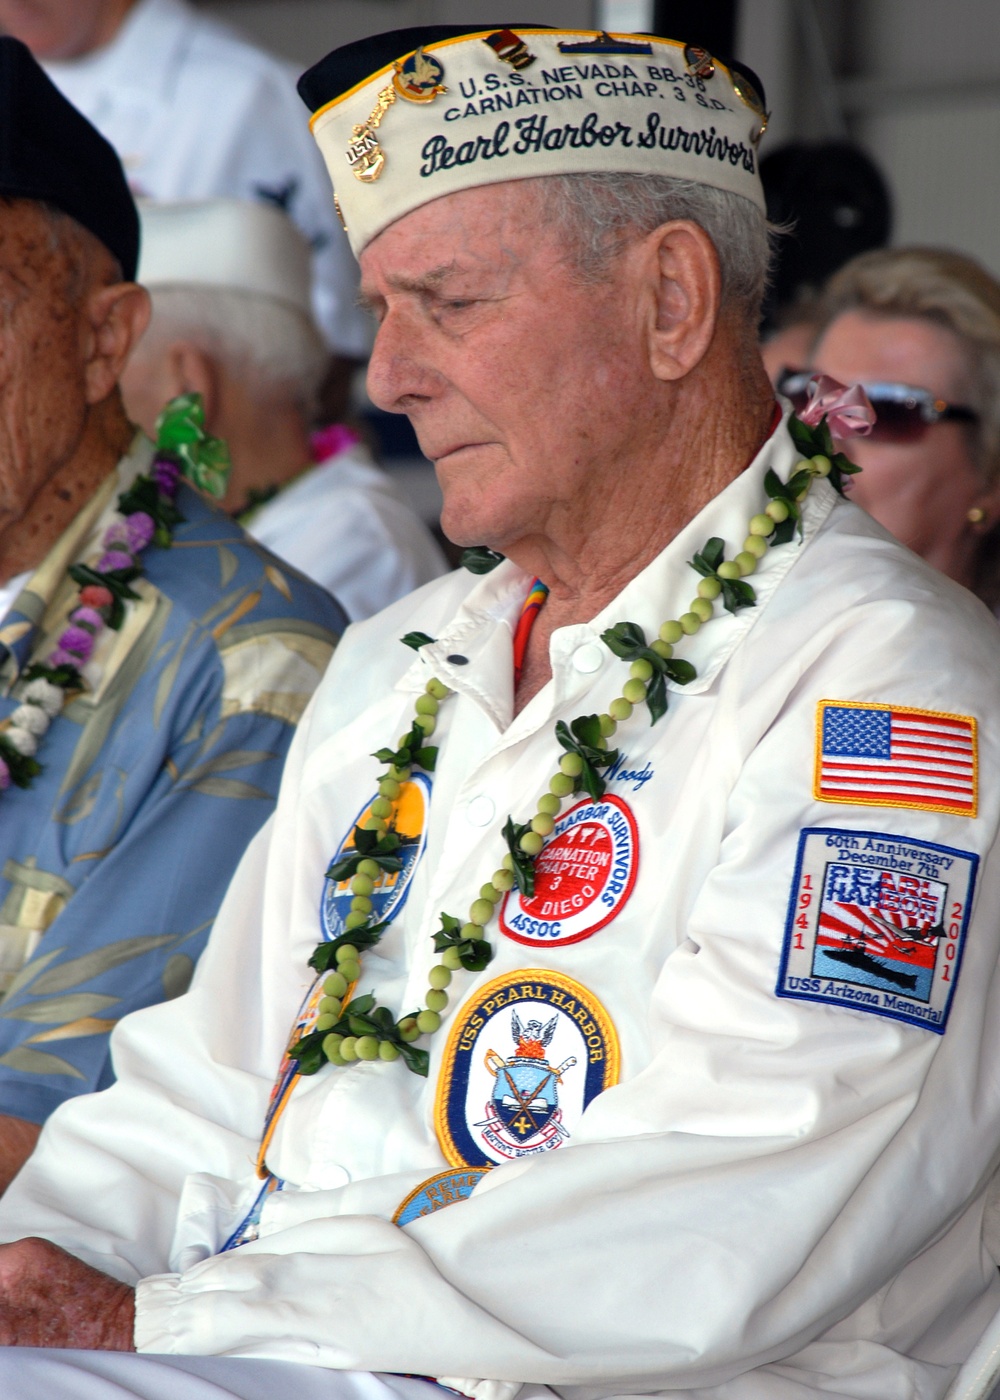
{"x":27,"y":539}
{"x":713,"y":436}
{"x":269,"y":446}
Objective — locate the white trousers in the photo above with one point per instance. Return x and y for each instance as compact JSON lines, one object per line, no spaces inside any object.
{"x":27,"y":1373}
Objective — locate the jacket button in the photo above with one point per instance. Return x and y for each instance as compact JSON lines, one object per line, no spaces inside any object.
{"x":481,"y":810}
{"x":588,"y":658}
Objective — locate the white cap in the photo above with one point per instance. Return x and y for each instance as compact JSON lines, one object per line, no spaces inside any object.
{"x":464,"y":109}
{"x":234,"y":243}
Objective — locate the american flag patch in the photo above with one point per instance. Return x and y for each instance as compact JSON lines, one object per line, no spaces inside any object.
{"x":886,"y":756}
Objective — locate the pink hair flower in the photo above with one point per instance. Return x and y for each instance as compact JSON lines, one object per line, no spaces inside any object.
{"x":848,"y":411}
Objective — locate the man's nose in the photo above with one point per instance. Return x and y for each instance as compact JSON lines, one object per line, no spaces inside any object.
{"x":399,"y":372}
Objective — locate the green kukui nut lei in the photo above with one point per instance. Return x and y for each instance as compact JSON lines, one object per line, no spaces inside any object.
{"x":356,"y":1028}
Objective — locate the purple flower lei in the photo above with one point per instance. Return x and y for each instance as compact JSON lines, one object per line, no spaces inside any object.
{"x":183,"y":448}
{"x":100,"y":602}
{"x":123,"y":542}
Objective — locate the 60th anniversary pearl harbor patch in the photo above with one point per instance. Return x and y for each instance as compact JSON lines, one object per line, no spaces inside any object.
{"x":877,"y":923}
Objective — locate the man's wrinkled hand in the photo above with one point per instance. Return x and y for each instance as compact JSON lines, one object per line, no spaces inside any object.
{"x":49,"y":1298}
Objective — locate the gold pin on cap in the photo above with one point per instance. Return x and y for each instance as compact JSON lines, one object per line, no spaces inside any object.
{"x":364,"y":154}
{"x":746,"y":91}
{"x":510,"y":48}
{"x":419,"y":77}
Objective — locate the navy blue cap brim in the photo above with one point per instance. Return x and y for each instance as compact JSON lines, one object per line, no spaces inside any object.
{"x":355,"y":63}
{"x":50,"y":152}
{"x":345,"y":68}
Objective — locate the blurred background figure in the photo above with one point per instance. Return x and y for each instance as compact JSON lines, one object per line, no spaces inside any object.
{"x":231,"y":320}
{"x":920,"y":329}
{"x":833,"y":201}
{"x":195,"y":111}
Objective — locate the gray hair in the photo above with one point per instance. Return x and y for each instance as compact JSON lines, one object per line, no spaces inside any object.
{"x":602,"y":212}
{"x":253,"y":335}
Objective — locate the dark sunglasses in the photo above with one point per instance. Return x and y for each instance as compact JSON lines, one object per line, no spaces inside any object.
{"x":902,"y":412}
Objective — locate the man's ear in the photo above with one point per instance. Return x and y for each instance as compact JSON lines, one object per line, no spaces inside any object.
{"x":192,"y":370}
{"x":686,"y":286}
{"x":160,"y":370}
{"x":116,"y":317}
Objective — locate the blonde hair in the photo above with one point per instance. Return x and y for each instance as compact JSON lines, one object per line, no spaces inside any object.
{"x":952,"y":291}
{"x":958,"y":293}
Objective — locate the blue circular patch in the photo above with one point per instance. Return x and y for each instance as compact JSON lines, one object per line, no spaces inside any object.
{"x":437,"y":1192}
{"x":391,"y":889}
{"x":525,"y":1056}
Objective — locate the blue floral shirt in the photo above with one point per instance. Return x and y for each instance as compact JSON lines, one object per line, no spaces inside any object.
{"x":114,"y":863}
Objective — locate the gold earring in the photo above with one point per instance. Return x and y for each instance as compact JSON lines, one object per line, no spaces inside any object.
{"x":976,"y":516}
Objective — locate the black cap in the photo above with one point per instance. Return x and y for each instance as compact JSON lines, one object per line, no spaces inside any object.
{"x":838,"y":203}
{"x":49,"y":151}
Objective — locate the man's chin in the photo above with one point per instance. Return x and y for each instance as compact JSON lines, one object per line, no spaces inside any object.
{"x":462,"y":530}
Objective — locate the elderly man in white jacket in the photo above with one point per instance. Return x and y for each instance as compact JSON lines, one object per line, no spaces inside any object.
{"x":610,"y":1007}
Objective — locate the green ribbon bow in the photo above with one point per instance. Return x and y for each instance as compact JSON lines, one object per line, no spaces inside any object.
{"x":180,"y":434}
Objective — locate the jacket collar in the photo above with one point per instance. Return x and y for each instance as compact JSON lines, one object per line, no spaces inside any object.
{"x":81,"y":540}
{"x":482,"y":629}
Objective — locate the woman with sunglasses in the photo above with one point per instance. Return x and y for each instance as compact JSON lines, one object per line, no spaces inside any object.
{"x":920,"y":329}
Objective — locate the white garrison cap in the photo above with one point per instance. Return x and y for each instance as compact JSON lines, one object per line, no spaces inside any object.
{"x":232,"y":243}
{"x":406,"y":117}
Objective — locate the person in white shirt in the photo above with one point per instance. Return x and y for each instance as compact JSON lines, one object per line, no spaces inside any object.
{"x":231,"y":321}
{"x":649,"y":1043}
{"x":195,"y":111}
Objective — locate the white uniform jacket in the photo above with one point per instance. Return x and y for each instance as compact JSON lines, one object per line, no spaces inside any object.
{"x":195,"y":112}
{"x":766,"y":1195}
{"x":345,"y":525}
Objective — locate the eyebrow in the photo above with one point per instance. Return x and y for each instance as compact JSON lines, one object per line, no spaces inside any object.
{"x":427,"y":282}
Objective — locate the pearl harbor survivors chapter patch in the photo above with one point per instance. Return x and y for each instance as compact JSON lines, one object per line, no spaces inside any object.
{"x":877,"y":923}
{"x":890,"y":756}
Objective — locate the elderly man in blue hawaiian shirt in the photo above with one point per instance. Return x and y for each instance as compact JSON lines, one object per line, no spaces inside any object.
{"x":148,"y":693}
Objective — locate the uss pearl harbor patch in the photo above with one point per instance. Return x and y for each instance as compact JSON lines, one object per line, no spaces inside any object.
{"x":877,"y":923}
{"x":526,"y":1054}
